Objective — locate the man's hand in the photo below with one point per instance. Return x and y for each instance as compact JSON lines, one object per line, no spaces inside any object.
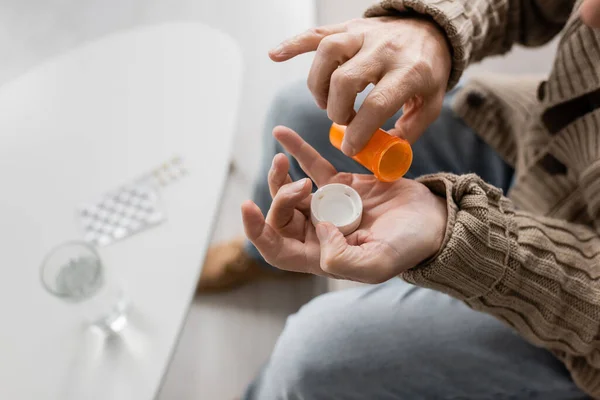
{"x":403,"y":223}
{"x":408,"y":60}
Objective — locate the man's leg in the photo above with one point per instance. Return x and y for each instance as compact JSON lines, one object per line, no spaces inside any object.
{"x":396,"y":341}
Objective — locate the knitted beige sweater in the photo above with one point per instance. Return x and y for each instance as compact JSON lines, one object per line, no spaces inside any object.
{"x":531,"y":260}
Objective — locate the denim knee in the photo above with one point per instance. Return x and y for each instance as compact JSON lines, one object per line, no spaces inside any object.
{"x":304,"y":364}
{"x":396,"y":341}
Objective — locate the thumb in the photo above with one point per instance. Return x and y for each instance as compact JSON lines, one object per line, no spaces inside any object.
{"x":357,"y":263}
{"x":333,"y":243}
{"x":417,"y":115}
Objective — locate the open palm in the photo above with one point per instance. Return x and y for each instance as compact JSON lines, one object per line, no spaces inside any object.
{"x":402,"y":225}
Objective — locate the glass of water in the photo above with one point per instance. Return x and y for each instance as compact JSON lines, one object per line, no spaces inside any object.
{"x":74,"y":273}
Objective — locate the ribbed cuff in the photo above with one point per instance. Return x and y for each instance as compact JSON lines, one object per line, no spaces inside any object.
{"x":590,"y":183}
{"x":478,"y":242}
{"x":449,"y":15}
{"x":585,"y":375}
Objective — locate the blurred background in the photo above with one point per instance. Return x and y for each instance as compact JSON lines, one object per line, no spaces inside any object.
{"x":226,"y":337}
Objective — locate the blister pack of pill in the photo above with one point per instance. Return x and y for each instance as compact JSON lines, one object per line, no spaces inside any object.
{"x":167,"y":173}
{"x":132,"y":208}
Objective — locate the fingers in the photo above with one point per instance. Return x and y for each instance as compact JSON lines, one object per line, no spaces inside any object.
{"x":285,"y":253}
{"x":278,"y":174}
{"x":349,"y":80}
{"x":285,"y":203}
{"x":313,"y":164}
{"x":381,"y":104}
{"x":305,"y":42}
{"x":418,"y":115}
{"x":333,"y":51}
{"x":366,"y":263}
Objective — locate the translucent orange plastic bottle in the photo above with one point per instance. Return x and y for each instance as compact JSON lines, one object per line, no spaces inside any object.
{"x":387,"y":157}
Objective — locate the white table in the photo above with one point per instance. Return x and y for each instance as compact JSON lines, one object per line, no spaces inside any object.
{"x":83,"y":123}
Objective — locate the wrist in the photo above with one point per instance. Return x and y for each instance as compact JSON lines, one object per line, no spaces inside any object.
{"x":440,"y":223}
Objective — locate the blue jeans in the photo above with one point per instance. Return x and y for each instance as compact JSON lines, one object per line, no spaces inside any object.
{"x":396,"y":341}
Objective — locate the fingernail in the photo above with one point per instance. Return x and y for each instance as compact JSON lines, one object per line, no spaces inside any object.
{"x":322,"y":105}
{"x":277,"y":49}
{"x":322,"y":232}
{"x":298,"y":185}
{"x":347,"y":149}
{"x":273,"y":163}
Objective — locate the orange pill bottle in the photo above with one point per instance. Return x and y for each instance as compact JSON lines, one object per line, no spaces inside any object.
{"x":387,"y":157}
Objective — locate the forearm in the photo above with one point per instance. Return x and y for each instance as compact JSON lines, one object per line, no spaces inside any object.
{"x":480,"y":28}
{"x":540,"y":275}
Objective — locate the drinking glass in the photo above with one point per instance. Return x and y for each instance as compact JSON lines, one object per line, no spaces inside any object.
{"x":74,"y":272}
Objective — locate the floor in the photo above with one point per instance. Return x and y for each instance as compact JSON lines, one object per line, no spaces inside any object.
{"x":226,"y":337}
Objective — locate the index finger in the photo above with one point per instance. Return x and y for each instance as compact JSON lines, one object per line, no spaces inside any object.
{"x":316,"y":167}
{"x":305,"y":42}
{"x":388,"y":96}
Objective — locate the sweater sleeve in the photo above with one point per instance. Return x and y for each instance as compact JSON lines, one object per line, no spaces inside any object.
{"x":481,"y":28}
{"x":539,"y":275}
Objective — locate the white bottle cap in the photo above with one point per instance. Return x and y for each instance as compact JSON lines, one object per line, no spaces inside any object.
{"x":338,"y":204}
